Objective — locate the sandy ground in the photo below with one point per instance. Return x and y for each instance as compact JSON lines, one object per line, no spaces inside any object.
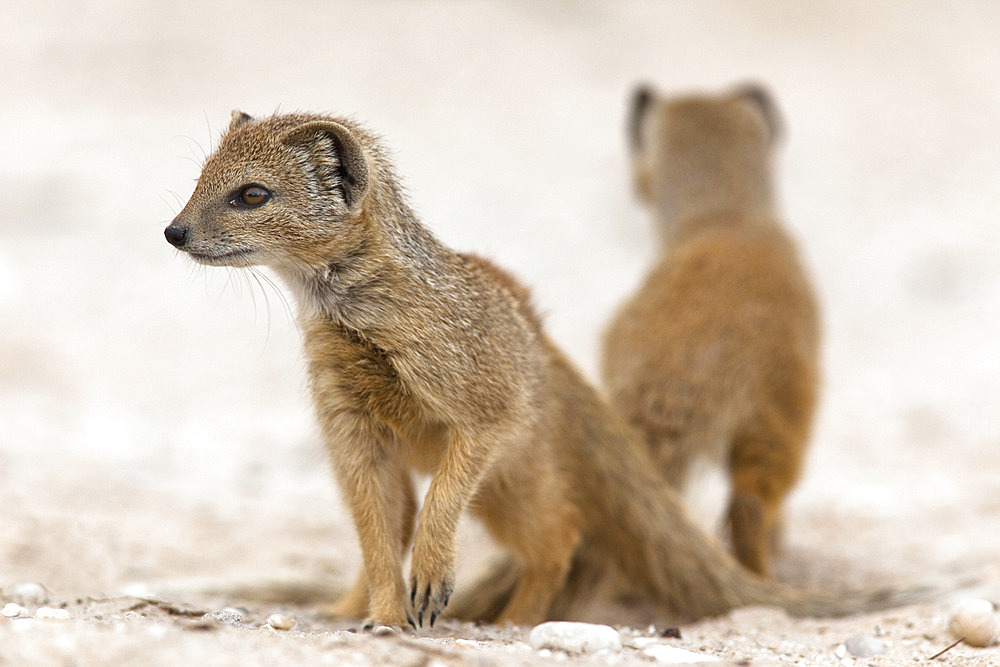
{"x":155,"y":440}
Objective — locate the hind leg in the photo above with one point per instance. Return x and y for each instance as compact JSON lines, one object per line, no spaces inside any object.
{"x":487,"y":598}
{"x":532,"y":517}
{"x":764,"y":465}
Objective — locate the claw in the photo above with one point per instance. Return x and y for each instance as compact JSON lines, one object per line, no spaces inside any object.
{"x":420,"y":617}
{"x":409,"y":619}
{"x":368,"y":627}
{"x":434,"y":616}
{"x":413,"y":593}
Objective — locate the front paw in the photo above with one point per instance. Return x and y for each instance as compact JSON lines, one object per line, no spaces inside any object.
{"x":430,"y":589}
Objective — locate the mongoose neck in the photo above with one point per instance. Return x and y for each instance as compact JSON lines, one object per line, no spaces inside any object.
{"x":379,"y":281}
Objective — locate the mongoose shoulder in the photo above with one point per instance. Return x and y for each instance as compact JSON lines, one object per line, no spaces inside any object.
{"x":717,"y":353}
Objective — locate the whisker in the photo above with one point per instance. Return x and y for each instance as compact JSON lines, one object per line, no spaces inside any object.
{"x":208,"y":127}
{"x":277,"y":290}
{"x":192,"y":154}
{"x":245,"y":280}
{"x":195,"y":162}
{"x":172,"y":206}
{"x":253,"y":273}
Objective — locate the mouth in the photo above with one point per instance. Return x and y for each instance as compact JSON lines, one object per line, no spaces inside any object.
{"x":239,"y":257}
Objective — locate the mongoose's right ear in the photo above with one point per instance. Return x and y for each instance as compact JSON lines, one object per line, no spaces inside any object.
{"x":758,"y":95}
{"x":353,"y":167}
{"x":642,"y":100}
{"x":239,"y":118}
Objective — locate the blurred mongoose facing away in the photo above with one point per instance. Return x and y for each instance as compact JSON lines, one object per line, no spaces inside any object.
{"x":717,"y":352}
{"x":428,"y":360}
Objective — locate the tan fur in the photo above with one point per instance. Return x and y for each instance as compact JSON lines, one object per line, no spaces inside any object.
{"x":717,"y":353}
{"x":424,"y":359}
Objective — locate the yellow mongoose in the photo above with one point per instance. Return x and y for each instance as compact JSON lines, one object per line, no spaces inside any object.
{"x":717,"y":352}
{"x":424,"y":359}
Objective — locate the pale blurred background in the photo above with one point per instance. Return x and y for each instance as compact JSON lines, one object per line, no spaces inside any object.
{"x":153,"y":415}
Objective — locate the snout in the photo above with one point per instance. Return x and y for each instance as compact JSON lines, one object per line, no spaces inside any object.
{"x":177,"y":234}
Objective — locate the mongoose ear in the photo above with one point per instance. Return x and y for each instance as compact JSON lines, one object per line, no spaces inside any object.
{"x":239,"y":118}
{"x":761,"y":98}
{"x":642,"y":101}
{"x":352,"y":167}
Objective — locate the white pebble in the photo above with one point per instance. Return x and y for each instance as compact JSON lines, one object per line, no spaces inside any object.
{"x":28,"y":594}
{"x":643,"y":642}
{"x":13,"y":610}
{"x":227,"y":616}
{"x":672,"y":655}
{"x":574,"y":637}
{"x":51,"y":614}
{"x":974,"y":621}
{"x":383,"y":631}
{"x":864,"y":646}
{"x":281,"y":622}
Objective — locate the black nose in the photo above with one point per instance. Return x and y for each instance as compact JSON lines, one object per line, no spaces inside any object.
{"x":176,"y":235}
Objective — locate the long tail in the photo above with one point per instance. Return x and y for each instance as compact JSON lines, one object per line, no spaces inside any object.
{"x":640,"y":523}
{"x":637,"y":522}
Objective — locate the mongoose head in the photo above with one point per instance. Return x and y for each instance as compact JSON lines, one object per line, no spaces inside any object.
{"x":692,"y":153}
{"x":286,"y":191}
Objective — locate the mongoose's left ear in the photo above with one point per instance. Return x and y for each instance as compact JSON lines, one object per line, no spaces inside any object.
{"x":239,"y":118}
{"x":759,"y":96}
{"x":353,"y":167}
{"x":639,"y":106}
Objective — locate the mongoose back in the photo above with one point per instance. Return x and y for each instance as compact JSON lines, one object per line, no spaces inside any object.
{"x":424,"y":359}
{"x":716,"y":354}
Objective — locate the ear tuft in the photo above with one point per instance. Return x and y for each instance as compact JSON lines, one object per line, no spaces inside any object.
{"x":761,"y":98}
{"x":642,"y":100}
{"x":239,"y":118}
{"x":352,"y":166}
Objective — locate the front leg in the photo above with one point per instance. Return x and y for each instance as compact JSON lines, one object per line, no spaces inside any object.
{"x":369,"y":473}
{"x":354,"y":603}
{"x":432,"y":573}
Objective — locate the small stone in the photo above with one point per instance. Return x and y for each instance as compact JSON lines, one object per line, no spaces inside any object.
{"x":974,"y":621}
{"x":642,"y":642}
{"x":383,"y":631}
{"x":574,"y":637}
{"x":29,"y":594}
{"x":840,"y":651}
{"x":671,"y":655}
{"x":13,"y":610}
{"x":227,"y":616}
{"x":864,"y":646}
{"x":281,"y":622}
{"x":51,"y":614}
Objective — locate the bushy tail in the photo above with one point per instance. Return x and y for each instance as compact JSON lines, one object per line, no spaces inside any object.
{"x":634,"y":520}
{"x":638,"y":522}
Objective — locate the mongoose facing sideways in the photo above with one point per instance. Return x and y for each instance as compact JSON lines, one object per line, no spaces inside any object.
{"x":716,"y":354}
{"x":424,"y":359}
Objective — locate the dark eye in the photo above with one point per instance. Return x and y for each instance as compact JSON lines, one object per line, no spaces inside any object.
{"x":251,"y":196}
